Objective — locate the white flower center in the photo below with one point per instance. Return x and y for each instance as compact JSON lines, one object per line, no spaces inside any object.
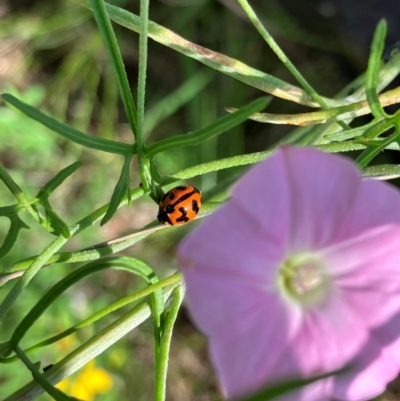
{"x":303,"y":279}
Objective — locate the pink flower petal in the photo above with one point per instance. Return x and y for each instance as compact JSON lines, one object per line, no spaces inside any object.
{"x":263,"y":198}
{"x":220,"y":243}
{"x":366,"y":269}
{"x":211,"y":295}
{"x":304,"y":191}
{"x":323,"y":188}
{"x":370,"y":372}
{"x":377,"y":204}
{"x":388,"y":336}
{"x":273,"y":194}
{"x":245,"y":365}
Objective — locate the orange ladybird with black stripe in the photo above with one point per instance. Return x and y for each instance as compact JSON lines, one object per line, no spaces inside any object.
{"x":179,"y":205}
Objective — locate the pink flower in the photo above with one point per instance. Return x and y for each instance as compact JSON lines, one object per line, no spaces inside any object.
{"x":297,"y":275}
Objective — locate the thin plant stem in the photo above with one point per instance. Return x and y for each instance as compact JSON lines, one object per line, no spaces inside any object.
{"x":282,"y":56}
{"x":163,"y":355}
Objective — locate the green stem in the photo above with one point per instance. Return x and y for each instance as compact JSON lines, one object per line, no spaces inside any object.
{"x":29,"y":274}
{"x":163,"y":355}
{"x":22,"y":199}
{"x":171,"y":281}
{"x":282,"y":56}
{"x":40,"y":379}
{"x":140,"y":146}
{"x":90,"y":349}
{"x":110,"y":41}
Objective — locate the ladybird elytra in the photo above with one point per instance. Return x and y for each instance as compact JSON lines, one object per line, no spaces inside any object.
{"x":179,"y":205}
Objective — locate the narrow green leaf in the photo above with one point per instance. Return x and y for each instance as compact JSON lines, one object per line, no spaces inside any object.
{"x":220,"y":62}
{"x":14,"y":188}
{"x":143,"y":160}
{"x":349,"y":134}
{"x":28,"y":275}
{"x":120,"y":191}
{"x":58,"y":180}
{"x":131,"y":265}
{"x":110,"y":41}
{"x":347,"y":112}
{"x":141,"y":89}
{"x":252,"y":158}
{"x":57,"y":394}
{"x":60,"y":228}
{"x":176,"y":99}
{"x":220,"y":126}
{"x":281,"y":389}
{"x":382,"y":171}
{"x":373,"y":148}
{"x":16,"y":224}
{"x":89,"y":141}
{"x":96,"y":345}
{"x":99,"y":250}
{"x":280,"y":54}
{"x":374,"y":63}
{"x":163,"y":354}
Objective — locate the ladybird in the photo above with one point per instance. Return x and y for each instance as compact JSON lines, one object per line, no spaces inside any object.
{"x":179,"y":205}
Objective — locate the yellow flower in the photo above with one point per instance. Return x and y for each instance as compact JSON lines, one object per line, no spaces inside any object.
{"x":90,"y":382}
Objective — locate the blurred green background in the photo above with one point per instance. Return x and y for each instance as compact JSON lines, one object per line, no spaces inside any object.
{"x":51,"y":56}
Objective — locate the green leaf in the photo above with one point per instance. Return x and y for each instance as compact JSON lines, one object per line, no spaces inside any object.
{"x":382,"y":171}
{"x":280,"y":54}
{"x":57,"y":394}
{"x":110,"y":41}
{"x":176,"y":99}
{"x":280,"y":389}
{"x":58,"y":180}
{"x":373,"y":148}
{"x":129,"y":264}
{"x":14,"y":188}
{"x":31,"y":271}
{"x":162,"y":356}
{"x":120,"y":191}
{"x":96,"y":345}
{"x":372,"y":76}
{"x":378,"y":129}
{"x":89,"y":141}
{"x":59,"y":227}
{"x":220,"y":62}
{"x":220,"y":126}
{"x":16,"y":224}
